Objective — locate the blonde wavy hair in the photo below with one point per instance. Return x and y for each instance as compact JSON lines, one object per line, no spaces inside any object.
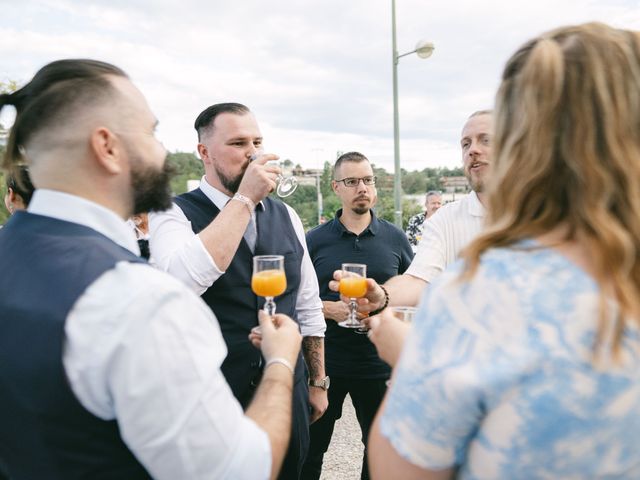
{"x":566,"y":152}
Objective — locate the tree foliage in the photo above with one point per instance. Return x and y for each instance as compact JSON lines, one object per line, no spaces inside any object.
{"x":305,"y":199}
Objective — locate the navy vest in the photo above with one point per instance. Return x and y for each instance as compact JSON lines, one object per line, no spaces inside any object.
{"x":231,"y":298}
{"x":45,"y":433}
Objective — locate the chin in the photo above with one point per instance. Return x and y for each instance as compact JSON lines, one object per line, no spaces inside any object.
{"x":360,"y":210}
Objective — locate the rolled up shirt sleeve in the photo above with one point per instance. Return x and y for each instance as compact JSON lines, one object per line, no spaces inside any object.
{"x":143,"y":349}
{"x":308,"y":303}
{"x":180,"y":252}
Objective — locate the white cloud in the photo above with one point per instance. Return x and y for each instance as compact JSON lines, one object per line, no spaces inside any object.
{"x":317,"y":73}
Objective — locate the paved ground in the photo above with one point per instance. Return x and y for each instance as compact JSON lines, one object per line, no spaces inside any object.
{"x":343,"y":460}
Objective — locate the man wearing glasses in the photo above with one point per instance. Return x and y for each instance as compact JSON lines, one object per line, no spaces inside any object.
{"x":355,"y":235}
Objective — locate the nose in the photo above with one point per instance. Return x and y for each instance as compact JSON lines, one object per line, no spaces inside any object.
{"x":253,"y":152}
{"x":361,"y":187}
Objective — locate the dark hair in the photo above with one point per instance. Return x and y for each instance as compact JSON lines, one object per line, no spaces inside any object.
{"x":355,"y":157}
{"x":205,"y":120}
{"x":21,"y":184}
{"x":51,"y":97}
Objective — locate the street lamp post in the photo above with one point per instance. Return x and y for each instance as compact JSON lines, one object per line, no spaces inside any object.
{"x":423,"y":49}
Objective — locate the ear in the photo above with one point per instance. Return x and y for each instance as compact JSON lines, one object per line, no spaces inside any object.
{"x":108,"y":150}
{"x":203,"y":151}
{"x":334,"y":186}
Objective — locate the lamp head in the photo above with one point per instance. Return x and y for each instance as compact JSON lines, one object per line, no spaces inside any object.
{"x":424,"y":48}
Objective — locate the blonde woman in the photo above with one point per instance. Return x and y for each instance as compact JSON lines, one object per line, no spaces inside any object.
{"x":524,"y":361}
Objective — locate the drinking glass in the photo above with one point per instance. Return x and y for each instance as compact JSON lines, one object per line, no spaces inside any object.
{"x":405,"y":314}
{"x":353,"y":284}
{"x":285,"y":185}
{"x":268,"y":279}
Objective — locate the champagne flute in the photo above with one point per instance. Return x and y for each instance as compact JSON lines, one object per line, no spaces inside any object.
{"x":286,"y":185}
{"x":268,"y":281}
{"x":353,"y":284}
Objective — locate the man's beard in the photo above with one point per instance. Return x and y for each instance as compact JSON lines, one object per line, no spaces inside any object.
{"x":151,"y":187}
{"x":477,"y":183}
{"x":231,"y":184}
{"x":360,"y":210}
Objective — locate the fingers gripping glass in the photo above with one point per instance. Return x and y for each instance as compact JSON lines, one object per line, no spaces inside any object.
{"x":286,"y":185}
{"x":353,"y":181}
{"x":353,"y":284}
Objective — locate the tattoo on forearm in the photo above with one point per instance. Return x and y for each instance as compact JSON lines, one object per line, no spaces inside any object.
{"x":313,"y":351}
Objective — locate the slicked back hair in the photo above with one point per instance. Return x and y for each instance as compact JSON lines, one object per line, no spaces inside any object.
{"x":51,"y":98}
{"x":204,"y":122}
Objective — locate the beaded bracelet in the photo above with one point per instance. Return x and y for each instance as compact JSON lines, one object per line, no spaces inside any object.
{"x":386,"y":303}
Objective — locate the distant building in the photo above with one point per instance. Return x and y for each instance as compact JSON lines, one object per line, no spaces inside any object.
{"x":455,"y":184}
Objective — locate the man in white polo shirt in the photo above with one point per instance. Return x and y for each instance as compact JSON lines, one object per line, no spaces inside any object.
{"x":449,"y":230}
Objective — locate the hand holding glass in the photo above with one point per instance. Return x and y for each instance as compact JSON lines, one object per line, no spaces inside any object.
{"x":286,"y":185}
{"x":353,"y":284}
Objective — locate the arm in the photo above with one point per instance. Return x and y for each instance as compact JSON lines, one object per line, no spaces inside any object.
{"x":223,"y":235}
{"x":385,"y":462}
{"x":313,"y":351}
{"x":403,"y":290}
{"x":312,"y":323}
{"x":388,"y":334}
{"x":271,"y":405}
{"x":199,"y":260}
{"x":159,"y":375}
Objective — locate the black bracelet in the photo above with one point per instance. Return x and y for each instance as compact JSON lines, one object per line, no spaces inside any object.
{"x":386,"y":303}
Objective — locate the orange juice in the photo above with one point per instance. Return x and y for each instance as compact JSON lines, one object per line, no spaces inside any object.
{"x":353,"y":287}
{"x":269,"y":283}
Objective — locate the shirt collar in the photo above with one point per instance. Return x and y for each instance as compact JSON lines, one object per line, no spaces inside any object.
{"x":475,"y":207}
{"x":218,"y":198}
{"x":71,"y":208}
{"x":373,"y":226}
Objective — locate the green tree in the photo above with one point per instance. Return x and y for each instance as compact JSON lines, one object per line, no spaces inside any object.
{"x":188,"y":167}
{"x":5,"y":87}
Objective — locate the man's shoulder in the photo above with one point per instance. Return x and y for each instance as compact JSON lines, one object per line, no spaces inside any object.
{"x":322,"y":230}
{"x":390,"y":228}
{"x":417,"y":218}
{"x":453,"y":210}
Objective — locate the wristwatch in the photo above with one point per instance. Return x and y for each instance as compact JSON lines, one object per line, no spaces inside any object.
{"x":323,"y":383}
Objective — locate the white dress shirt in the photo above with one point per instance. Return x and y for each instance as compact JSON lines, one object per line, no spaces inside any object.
{"x":180,"y":252}
{"x":143,"y":349}
{"x":446,"y":233}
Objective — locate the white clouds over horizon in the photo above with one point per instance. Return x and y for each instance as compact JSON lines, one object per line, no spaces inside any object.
{"x":316,"y":73}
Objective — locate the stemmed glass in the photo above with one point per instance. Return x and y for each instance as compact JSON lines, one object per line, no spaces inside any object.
{"x":353,"y":284}
{"x":268,"y":281}
{"x":286,"y":185}
{"x":405,"y":314}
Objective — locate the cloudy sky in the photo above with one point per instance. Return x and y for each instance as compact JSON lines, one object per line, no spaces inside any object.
{"x":317,"y":73}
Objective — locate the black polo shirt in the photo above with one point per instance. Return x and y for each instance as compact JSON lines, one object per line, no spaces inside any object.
{"x":385,"y":250}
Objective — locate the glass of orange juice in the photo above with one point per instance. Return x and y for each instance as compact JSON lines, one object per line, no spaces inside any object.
{"x":268,"y":279}
{"x":353,"y":284}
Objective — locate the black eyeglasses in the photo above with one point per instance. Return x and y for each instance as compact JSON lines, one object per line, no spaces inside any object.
{"x":353,"y":182}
